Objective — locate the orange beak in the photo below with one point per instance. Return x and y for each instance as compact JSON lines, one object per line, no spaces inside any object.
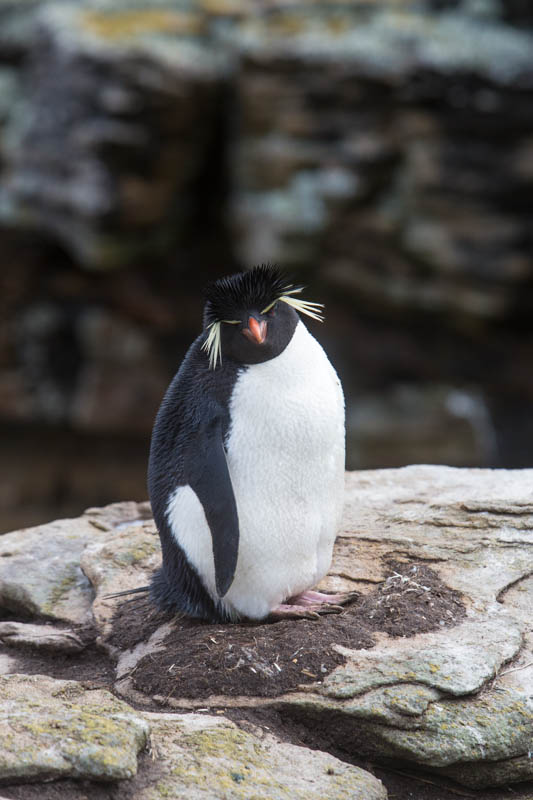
{"x":256,"y":331}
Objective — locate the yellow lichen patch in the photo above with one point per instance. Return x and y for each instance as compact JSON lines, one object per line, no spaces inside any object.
{"x":57,"y":728}
{"x":128,"y":24}
{"x":109,"y":743}
{"x":338,"y":25}
{"x":224,"y":756}
{"x":67,"y":691}
{"x":224,"y":7}
{"x":58,"y":591}
{"x":287,"y":25}
{"x":216,"y":742}
{"x":134,"y":555}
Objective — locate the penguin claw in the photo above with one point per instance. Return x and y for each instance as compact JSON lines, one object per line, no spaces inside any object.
{"x":330,"y":608}
{"x":349,"y":597}
{"x":290,"y":611}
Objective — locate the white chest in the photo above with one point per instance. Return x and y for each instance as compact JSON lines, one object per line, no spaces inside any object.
{"x":286,"y":459}
{"x":286,"y":412}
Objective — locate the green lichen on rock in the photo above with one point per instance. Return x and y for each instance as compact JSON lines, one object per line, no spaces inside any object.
{"x":133,"y":22}
{"x":60,"y":590}
{"x":471,"y":654}
{"x":393,"y":703}
{"x":40,"y":573}
{"x":209,"y":757}
{"x":56,"y":729}
{"x":215,"y":750}
{"x":495,"y":726}
{"x":142,"y":550}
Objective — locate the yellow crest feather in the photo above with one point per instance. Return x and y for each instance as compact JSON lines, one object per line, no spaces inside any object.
{"x":213,"y":344}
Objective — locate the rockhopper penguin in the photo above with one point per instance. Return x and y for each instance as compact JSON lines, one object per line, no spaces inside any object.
{"x":246,"y":470}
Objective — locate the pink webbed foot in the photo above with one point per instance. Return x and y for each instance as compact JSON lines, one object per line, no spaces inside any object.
{"x":292,"y":611}
{"x":311,"y":598}
{"x":311,"y":605}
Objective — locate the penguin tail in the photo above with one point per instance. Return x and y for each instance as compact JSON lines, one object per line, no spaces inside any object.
{"x":139,"y":590}
{"x":185,"y":595}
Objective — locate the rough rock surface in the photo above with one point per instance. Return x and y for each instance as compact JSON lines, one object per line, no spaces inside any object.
{"x":48,"y":637}
{"x":40,"y":570}
{"x":54,"y":729}
{"x":209,"y":757}
{"x":430,"y":668}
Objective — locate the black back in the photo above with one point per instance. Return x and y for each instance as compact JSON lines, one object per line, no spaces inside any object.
{"x":187,"y":448}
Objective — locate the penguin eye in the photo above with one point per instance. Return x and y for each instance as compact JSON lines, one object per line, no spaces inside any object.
{"x":270,"y":309}
{"x":231,"y":321}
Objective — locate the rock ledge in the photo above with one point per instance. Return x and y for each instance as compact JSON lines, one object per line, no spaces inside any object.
{"x":431,"y":667}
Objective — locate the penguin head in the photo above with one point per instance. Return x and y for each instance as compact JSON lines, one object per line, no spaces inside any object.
{"x":251,"y":317}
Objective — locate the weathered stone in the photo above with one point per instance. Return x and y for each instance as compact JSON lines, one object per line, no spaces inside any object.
{"x":517,"y":600}
{"x":495,"y":727}
{"x":393,"y":704}
{"x":8,"y":664}
{"x":457,"y":700}
{"x":40,"y":570}
{"x":18,"y":27}
{"x":476,"y":525}
{"x":393,"y":41}
{"x":57,"y":729}
{"x":209,"y":757}
{"x":46,"y":637}
{"x":458,"y":662}
{"x":124,"y":560}
{"x":53,"y":729}
{"x":8,"y":87}
{"x":417,"y":190}
{"x":122,"y":380}
{"x":482,"y":774}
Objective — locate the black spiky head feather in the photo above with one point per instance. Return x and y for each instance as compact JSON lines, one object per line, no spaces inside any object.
{"x":257,"y":290}
{"x":227,"y":297}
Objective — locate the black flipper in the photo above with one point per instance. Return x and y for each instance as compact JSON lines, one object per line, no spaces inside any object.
{"x":208,"y":474}
{"x":187,"y":449}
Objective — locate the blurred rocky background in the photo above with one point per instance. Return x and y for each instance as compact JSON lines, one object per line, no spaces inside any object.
{"x":380,"y":151}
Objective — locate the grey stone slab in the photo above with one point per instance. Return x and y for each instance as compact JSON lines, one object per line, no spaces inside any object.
{"x":57,"y":729}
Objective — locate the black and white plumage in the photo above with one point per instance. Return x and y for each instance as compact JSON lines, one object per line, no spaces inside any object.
{"x":246,"y":470}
